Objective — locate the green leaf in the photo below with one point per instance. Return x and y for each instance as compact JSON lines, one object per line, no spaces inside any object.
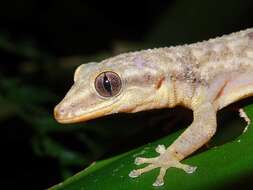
{"x":218,"y":167}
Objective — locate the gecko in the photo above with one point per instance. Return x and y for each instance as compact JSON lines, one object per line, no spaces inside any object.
{"x":204,"y":77}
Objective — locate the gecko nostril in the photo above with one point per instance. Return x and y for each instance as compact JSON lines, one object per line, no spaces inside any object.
{"x":62,"y":111}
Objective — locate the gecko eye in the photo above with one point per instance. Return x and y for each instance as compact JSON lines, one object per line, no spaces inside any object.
{"x":108,"y":84}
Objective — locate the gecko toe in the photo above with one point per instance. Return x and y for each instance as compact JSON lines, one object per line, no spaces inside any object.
{"x":190,"y":169}
{"x":158,"y":183}
{"x":160,"y":149}
{"x":140,"y":160}
{"x":187,"y":168}
{"x":134,"y":174}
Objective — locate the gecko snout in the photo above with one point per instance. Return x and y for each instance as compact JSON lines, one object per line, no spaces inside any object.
{"x":57,"y":112}
{"x":60,"y":113}
{"x":64,"y":112}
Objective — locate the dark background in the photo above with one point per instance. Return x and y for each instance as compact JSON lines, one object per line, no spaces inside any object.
{"x":42,"y":42}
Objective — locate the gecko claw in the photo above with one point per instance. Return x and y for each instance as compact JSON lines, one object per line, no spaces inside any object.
{"x":138,"y":161}
{"x":134,"y":174}
{"x":190,"y":169}
{"x":158,"y":183}
{"x":160,"y":149}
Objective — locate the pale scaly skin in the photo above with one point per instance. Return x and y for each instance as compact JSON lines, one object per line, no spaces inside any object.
{"x":204,"y":77}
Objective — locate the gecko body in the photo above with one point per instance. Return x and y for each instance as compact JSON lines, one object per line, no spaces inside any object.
{"x":205,"y":77}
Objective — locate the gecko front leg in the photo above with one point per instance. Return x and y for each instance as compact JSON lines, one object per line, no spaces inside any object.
{"x":195,"y":136}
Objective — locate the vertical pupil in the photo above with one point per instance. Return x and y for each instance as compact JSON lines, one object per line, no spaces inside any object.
{"x":107,"y":84}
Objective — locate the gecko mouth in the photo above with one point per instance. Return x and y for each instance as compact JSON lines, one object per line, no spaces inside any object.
{"x":64,"y":118}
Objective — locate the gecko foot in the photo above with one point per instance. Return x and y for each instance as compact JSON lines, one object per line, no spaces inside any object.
{"x":164,"y":161}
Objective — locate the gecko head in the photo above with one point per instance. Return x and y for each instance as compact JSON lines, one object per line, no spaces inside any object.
{"x":125,"y":83}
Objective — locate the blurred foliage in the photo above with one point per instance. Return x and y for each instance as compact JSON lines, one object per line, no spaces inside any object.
{"x":42,"y":42}
{"x":27,"y":99}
